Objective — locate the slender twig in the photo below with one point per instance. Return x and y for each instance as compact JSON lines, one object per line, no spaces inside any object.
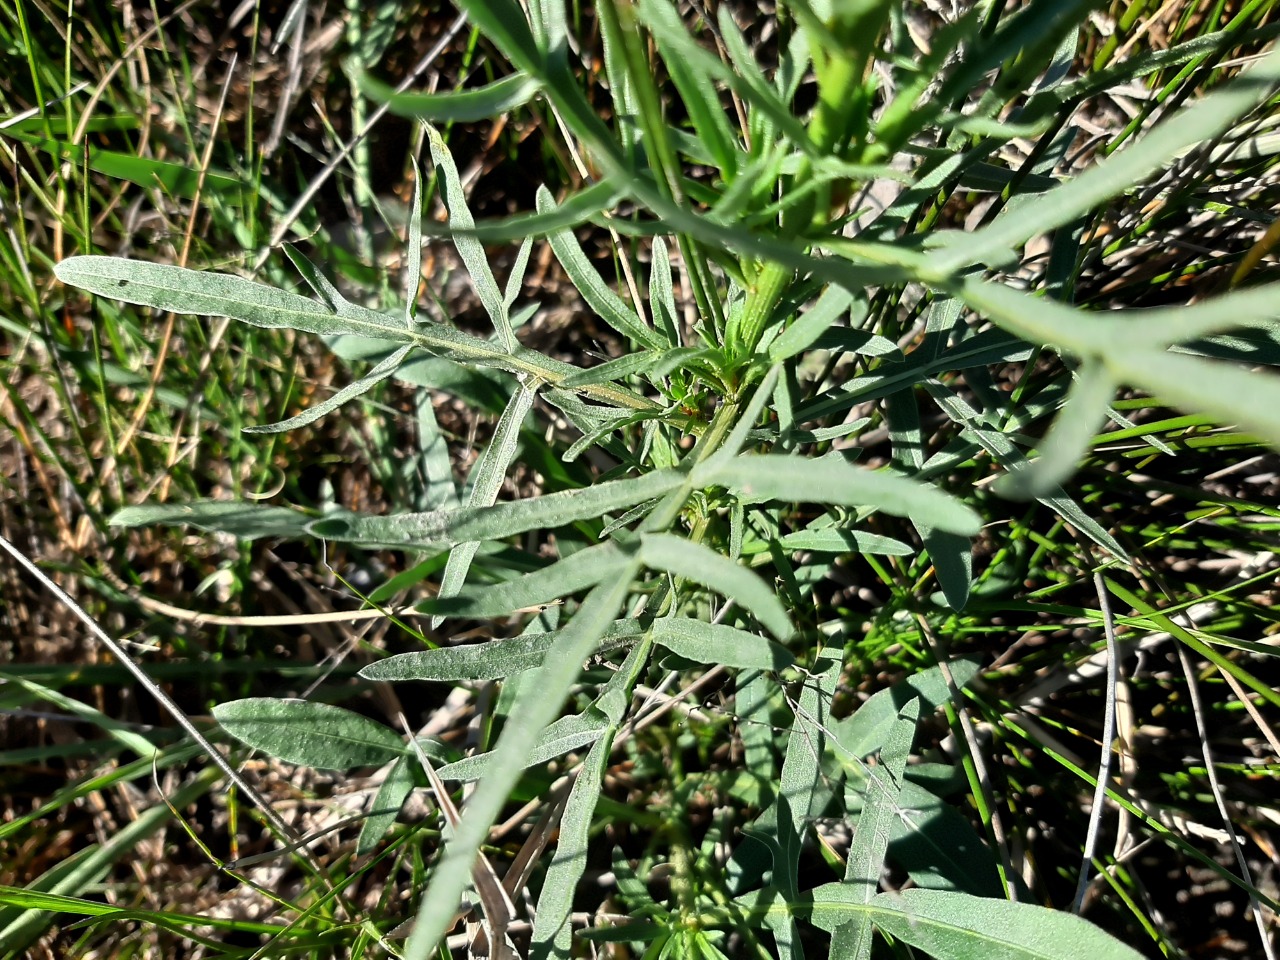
{"x":1108,"y":738}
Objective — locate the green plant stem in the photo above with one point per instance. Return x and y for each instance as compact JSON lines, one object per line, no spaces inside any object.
{"x":763,"y":296}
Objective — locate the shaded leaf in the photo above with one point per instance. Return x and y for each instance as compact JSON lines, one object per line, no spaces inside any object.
{"x":682,"y":557}
{"x":312,"y":734}
{"x":240,"y":518}
{"x":711,"y":643}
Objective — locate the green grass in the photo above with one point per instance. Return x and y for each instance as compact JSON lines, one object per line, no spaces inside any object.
{"x":802,"y":481}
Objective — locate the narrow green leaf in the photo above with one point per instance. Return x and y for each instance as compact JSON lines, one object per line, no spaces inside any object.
{"x":952,"y":555}
{"x":693,"y":561}
{"x":489,"y":660}
{"x":515,"y":279}
{"x":174,"y":178}
{"x":434,"y":467}
{"x":320,"y":285}
{"x":391,"y":795}
{"x":219,"y":295}
{"x":245,"y":520}
{"x":868,"y":728}
{"x":530,"y":717}
{"x":632,"y":363}
{"x":120,"y":732}
{"x":1195,"y":385}
{"x":988,"y":347}
{"x":580,"y":570}
{"x":607,"y":304}
{"x":459,"y":106}
{"x":469,"y":248}
{"x":419,"y":530}
{"x":573,"y":211}
{"x":352,"y":390}
{"x":835,"y":540}
{"x":312,"y":734}
{"x":865,"y":863}
{"x":413,"y":249}
{"x":566,"y":734}
{"x":564,"y":874}
{"x":956,"y":926}
{"x":1006,"y":453}
{"x":828,"y":480}
{"x":486,"y":481}
{"x":811,"y":324}
{"x":715,"y":644}
{"x":1072,"y":434}
{"x":699,"y":95}
{"x":801,"y":781}
{"x":662,"y":299}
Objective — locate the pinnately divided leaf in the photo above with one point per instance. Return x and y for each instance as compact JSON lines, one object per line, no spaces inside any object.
{"x":209,"y":294}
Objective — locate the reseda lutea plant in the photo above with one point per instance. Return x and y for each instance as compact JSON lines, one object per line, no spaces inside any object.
{"x":806,"y":310}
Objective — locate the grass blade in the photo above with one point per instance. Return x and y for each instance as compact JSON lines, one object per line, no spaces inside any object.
{"x":1112,"y":176}
{"x":461,"y":106}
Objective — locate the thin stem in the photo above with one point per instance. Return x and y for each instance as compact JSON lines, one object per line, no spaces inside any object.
{"x":1108,"y":738}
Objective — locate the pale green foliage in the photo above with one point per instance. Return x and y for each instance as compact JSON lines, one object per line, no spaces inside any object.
{"x":717,"y":431}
